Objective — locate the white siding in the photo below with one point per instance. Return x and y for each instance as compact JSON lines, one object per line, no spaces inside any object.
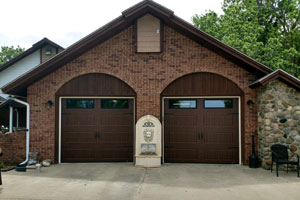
{"x":19,"y":68}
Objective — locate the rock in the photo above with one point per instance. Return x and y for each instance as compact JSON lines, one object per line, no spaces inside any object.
{"x":292,"y":123}
{"x":278,"y":135}
{"x":281,"y":116}
{"x":268,"y":97}
{"x":292,"y":102}
{"x":268,"y":122}
{"x":297,"y":112}
{"x":269,"y":139}
{"x":287,"y":130}
{"x":275,"y":127}
{"x":293,"y":148}
{"x":46,"y":163}
{"x":48,"y":160}
{"x":297,"y":108}
{"x":294,"y":133}
{"x":268,"y":115}
{"x":269,"y":162}
{"x":297,"y":138}
{"x":283,"y":120}
{"x":289,"y":141}
{"x":267,"y":128}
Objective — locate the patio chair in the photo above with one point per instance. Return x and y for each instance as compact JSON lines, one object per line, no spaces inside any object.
{"x":280,"y":156}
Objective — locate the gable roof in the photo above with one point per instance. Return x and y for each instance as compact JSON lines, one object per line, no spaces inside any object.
{"x":43,"y":42}
{"x":280,"y":75}
{"x":128,"y":18}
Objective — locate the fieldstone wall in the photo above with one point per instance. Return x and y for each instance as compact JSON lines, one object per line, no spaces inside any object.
{"x":278,"y":119}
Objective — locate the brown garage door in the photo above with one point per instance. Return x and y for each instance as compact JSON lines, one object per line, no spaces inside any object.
{"x":97,"y":130}
{"x":201,"y":130}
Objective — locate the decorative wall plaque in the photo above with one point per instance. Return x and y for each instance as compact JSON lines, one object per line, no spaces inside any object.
{"x":148,"y":134}
{"x":148,"y":149}
{"x":148,"y":124}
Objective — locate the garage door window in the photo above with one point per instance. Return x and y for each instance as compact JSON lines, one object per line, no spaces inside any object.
{"x":80,"y":103}
{"x":183,"y":103}
{"x":114,"y":103}
{"x":218,"y":103}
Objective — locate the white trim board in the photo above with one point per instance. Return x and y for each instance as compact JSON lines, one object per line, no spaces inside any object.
{"x":204,"y":97}
{"x":91,"y":97}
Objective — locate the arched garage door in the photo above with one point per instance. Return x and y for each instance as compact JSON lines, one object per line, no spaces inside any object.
{"x":97,"y":119}
{"x":201,"y":119}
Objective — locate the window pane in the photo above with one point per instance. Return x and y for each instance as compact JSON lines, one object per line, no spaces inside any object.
{"x":80,"y":103}
{"x":218,"y":103}
{"x":114,"y":103}
{"x":182,"y":103}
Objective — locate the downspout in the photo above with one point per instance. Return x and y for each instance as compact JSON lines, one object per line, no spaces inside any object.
{"x":27,"y":126}
{"x":11,"y":112}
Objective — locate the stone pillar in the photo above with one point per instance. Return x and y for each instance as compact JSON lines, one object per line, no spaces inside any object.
{"x":278,"y":119}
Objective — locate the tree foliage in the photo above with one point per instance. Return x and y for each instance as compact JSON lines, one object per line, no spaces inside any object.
{"x":266,"y":30}
{"x":7,"y":53}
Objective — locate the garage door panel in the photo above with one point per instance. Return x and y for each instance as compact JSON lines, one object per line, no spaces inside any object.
{"x":202,"y":134}
{"x":81,"y":119}
{"x":222,"y":156}
{"x":115,"y":120}
{"x":115,"y":154}
{"x":114,"y":137}
{"x":220,"y":121}
{"x":81,"y":137}
{"x":179,"y":120}
{"x":221,"y":138}
{"x":96,"y":134}
{"x":181,"y":155}
{"x":177,"y":137}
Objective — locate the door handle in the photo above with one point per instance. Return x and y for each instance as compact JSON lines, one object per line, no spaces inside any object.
{"x":200,"y":136}
{"x":97,"y":135}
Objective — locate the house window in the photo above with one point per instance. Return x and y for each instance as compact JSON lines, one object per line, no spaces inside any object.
{"x":218,"y":103}
{"x":183,"y":103}
{"x":80,"y":103}
{"x":114,"y":103}
{"x":48,"y":51}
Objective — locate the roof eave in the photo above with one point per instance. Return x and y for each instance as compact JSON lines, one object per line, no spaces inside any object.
{"x":280,"y":75}
{"x":29,"y":51}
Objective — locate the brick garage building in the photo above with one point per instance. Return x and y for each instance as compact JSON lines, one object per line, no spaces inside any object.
{"x":147,"y":61}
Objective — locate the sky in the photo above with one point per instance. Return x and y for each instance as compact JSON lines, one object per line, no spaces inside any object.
{"x":24,"y":22}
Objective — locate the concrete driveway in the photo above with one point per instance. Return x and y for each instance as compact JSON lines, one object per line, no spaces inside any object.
{"x":123,"y":181}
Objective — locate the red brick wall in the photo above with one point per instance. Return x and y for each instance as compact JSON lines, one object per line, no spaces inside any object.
{"x":148,"y":74}
{"x":14,"y":147}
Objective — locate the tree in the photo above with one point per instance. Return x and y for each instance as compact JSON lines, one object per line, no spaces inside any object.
{"x":7,"y":53}
{"x":266,"y":30}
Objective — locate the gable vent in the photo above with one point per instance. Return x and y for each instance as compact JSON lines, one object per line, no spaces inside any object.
{"x":148,"y":34}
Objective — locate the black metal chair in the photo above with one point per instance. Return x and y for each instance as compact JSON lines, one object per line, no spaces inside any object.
{"x":280,"y":156}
